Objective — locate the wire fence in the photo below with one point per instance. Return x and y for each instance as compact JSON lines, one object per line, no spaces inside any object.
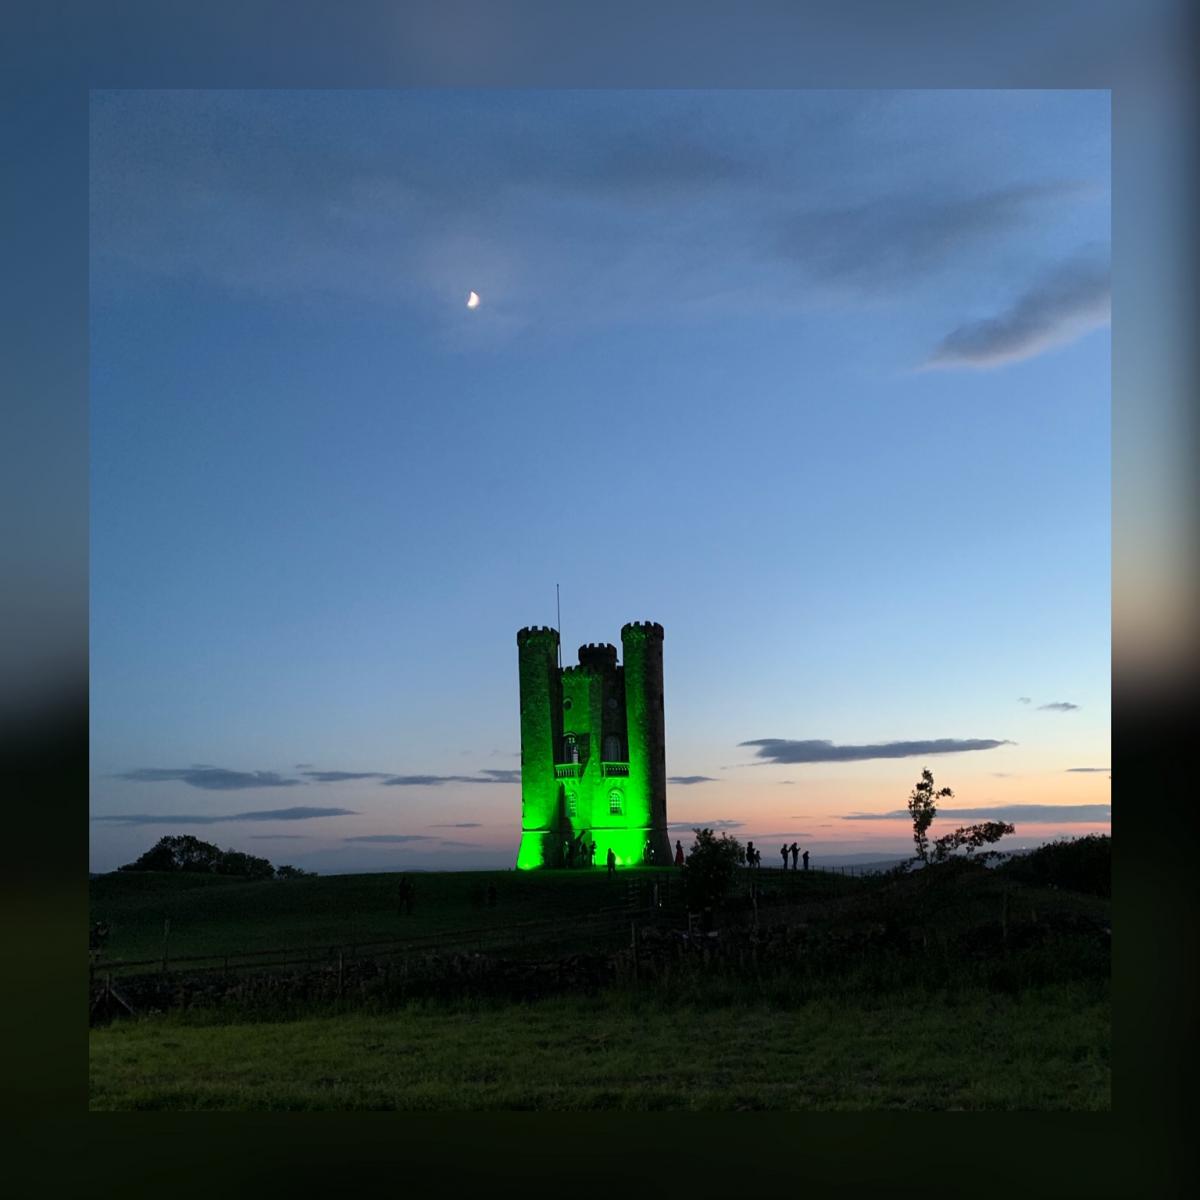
{"x":592,"y":929}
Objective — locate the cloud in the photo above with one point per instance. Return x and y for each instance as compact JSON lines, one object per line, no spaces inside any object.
{"x":1035,"y":814}
{"x":343,"y":776}
{"x":690,"y":779}
{"x":212,"y":778}
{"x":278,"y":837}
{"x":1024,"y":700}
{"x":1059,"y":706}
{"x":782,"y":750}
{"x":497,"y":776}
{"x":661,"y":160}
{"x":1068,"y":302}
{"x":438,"y":780}
{"x":459,"y":825}
{"x":891,"y":240}
{"x":1086,"y":770}
{"x":390,"y":838}
{"x":270,"y":814}
{"x":726,"y":824}
{"x":487,"y":775}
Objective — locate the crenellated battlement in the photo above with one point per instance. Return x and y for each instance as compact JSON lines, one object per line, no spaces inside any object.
{"x":645,"y":628}
{"x":536,"y":632}
{"x":598,"y":655}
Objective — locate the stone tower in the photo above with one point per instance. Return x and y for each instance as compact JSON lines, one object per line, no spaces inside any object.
{"x":593,"y":751}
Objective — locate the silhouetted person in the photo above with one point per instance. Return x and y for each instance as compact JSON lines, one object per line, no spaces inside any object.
{"x":612,"y":861}
{"x":97,"y":936}
{"x":784,"y":851}
{"x":795,"y":855}
{"x":679,"y":854}
{"x":749,"y":854}
{"x":591,"y":854}
{"x":570,"y":854}
{"x":806,"y":860}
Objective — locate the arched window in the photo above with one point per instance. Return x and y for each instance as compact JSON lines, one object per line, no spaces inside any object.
{"x":615,"y":805}
{"x":570,"y":749}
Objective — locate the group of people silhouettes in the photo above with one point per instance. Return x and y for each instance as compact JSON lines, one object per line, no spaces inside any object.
{"x":578,"y":851}
{"x":754,"y":855}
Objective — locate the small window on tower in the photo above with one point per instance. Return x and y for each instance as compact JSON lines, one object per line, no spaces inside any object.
{"x":614,"y":803}
{"x":572,"y":805}
{"x":567,"y":702}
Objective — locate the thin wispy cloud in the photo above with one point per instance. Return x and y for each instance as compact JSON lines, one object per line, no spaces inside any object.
{"x":1033,"y":814}
{"x":1059,"y":706}
{"x":1068,"y":302}
{"x":343,"y":776}
{"x":215,"y":779}
{"x":687,"y":780}
{"x":723,"y":824}
{"x":782,"y":750}
{"x":391,"y":838}
{"x":508,"y":777}
{"x":458,"y":825}
{"x":891,"y":241}
{"x":270,"y":814}
{"x":1024,"y":700}
{"x":1087,"y":770}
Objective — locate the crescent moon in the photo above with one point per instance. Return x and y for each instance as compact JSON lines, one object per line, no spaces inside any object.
{"x":473,"y":300}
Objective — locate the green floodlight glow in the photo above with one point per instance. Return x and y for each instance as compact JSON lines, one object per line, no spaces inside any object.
{"x":593,"y":760}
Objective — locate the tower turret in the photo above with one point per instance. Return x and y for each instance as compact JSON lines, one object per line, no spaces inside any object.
{"x":541,"y":734}
{"x":642,"y":643}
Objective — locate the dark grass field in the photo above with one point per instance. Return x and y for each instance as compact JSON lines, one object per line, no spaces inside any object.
{"x":960,"y":1007}
{"x":213,"y":914}
{"x":1047,"y":1050}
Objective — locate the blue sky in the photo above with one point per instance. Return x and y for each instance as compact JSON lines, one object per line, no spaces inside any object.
{"x":820,"y":381}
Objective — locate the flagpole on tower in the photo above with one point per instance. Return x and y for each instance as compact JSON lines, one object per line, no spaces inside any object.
{"x":558,"y":620}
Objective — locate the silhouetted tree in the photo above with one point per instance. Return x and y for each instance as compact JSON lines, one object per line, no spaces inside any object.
{"x":711,"y":867}
{"x":970,"y":838}
{"x":289,"y":872}
{"x":187,"y":853}
{"x":181,"y":853}
{"x":234,"y":862}
{"x":922,"y":806}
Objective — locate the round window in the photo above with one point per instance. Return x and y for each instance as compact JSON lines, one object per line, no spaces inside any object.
{"x":567,"y":702}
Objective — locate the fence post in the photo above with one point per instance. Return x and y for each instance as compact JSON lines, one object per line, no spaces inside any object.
{"x":166,"y":943}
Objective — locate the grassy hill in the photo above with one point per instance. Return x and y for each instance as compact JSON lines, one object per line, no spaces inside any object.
{"x":212,"y":914}
{"x":956,"y":987}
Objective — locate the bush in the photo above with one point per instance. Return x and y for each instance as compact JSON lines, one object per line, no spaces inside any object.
{"x":710,"y":868}
{"x":1079,"y":864}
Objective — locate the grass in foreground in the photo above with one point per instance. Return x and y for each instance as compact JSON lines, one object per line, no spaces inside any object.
{"x":1044,"y":1049}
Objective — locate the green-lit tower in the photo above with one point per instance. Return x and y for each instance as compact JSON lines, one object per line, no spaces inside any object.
{"x":593,"y":752}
